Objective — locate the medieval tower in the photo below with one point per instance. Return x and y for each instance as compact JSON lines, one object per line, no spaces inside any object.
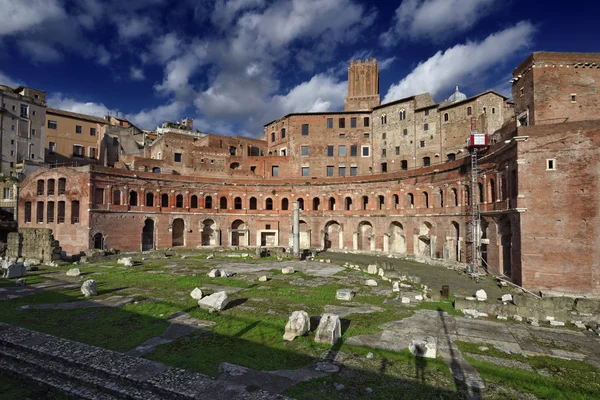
{"x":363,"y":86}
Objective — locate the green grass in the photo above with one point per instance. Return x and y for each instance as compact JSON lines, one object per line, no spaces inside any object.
{"x":12,"y":387}
{"x":569,"y":379}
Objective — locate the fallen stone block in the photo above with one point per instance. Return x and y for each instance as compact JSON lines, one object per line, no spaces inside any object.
{"x":74,"y":272}
{"x":263,"y":278}
{"x":381,"y":272}
{"x":481,"y":295}
{"x":89,"y":288}
{"x":395,"y":287}
{"x":20,"y":282}
{"x":507,"y":298}
{"x":214,"y":273}
{"x":215,"y":302}
{"x":126,"y":261}
{"x":372,"y":269}
{"x":344,"y":294}
{"x":329,"y":330}
{"x":517,"y":318}
{"x":419,"y":297}
{"x":424,"y":347}
{"x":557,"y":323}
{"x":469,"y":312}
{"x":196,"y":294}
{"x":371,"y":282}
{"x":14,"y":271}
{"x":405,"y":300}
{"x":287,"y":270}
{"x":298,"y":325}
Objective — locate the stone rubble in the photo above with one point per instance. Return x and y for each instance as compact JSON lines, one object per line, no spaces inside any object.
{"x":89,"y":288}
{"x":371,"y":282}
{"x":215,"y":302}
{"x":74,"y":272}
{"x":395,"y":287}
{"x":215,"y":273}
{"x":287,"y":270}
{"x":344,"y":294}
{"x":14,"y":271}
{"x":372,"y":269}
{"x":126,"y":261}
{"x":20,"y":282}
{"x":481,"y":295}
{"x":196,"y":294}
{"x":425,"y":347}
{"x":263,"y":278}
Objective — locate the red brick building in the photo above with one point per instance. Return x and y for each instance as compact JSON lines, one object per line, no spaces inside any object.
{"x":537,"y":189}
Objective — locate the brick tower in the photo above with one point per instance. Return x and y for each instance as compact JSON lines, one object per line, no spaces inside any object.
{"x":363,"y":86}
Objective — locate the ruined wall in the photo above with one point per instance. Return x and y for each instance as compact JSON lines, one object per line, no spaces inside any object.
{"x":37,"y":243}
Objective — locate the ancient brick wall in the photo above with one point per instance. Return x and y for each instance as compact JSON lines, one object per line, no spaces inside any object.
{"x":35,"y":243}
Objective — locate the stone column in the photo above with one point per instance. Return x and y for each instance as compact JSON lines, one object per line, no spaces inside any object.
{"x":372,"y":243}
{"x":296,"y":228}
{"x":217,"y":233}
{"x":355,"y":241}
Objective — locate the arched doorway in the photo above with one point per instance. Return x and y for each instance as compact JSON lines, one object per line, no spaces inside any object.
{"x":208,"y":232}
{"x":98,"y":241}
{"x":333,"y":235}
{"x":177,"y":232}
{"x":424,"y":241}
{"x":365,"y":233}
{"x":397,"y":238}
{"x":148,"y":235}
{"x":239,"y":233}
{"x":453,"y":241}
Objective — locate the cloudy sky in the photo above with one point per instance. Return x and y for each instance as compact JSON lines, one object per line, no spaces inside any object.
{"x":234,"y":65}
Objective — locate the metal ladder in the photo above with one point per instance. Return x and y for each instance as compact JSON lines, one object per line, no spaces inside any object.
{"x":474,"y":222}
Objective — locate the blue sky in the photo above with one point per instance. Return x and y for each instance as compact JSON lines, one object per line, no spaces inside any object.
{"x":234,"y":65}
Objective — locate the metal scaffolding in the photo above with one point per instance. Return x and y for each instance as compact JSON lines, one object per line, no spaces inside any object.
{"x":475,"y":219}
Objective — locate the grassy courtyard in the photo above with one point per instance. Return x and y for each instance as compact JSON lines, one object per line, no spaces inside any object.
{"x":249,"y":332}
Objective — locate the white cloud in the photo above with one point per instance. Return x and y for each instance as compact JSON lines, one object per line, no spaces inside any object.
{"x":19,"y":16}
{"x":131,"y":27}
{"x":150,"y":118}
{"x":226,"y":10}
{"x":385,"y":63}
{"x":321,"y":93}
{"x":8,"y":81}
{"x":38,"y":51}
{"x":61,"y":102}
{"x":179,"y":70}
{"x":136,"y":74}
{"x":435,"y":20}
{"x":166,"y":47}
{"x":102,"y":56}
{"x":461,"y":63}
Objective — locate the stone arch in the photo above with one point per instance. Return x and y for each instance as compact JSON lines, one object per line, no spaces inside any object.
{"x":397,"y":238}
{"x":332,"y":203}
{"x":410,"y":200}
{"x":380,"y":202}
{"x":364,"y":202}
{"x":300,"y":201}
{"x":425,"y":242}
{"x":452,"y":248}
{"x":396,"y":201}
{"x":209,"y":232}
{"x":348,"y":203}
{"x":316,"y":203}
{"x":148,"y":235}
{"x":177,"y":232}
{"x":425,"y":199}
{"x":239,"y":233}
{"x":333,"y":235}
{"x":454,"y":197}
{"x":98,"y":240}
{"x":305,"y":235}
{"x":365,"y":240}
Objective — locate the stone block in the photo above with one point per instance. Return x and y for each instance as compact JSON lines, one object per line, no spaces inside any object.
{"x":14,"y":271}
{"x":371,"y":282}
{"x":481,"y":295}
{"x":263,"y":278}
{"x":557,"y":323}
{"x":507,"y":298}
{"x":329,"y":330}
{"x":405,"y":300}
{"x":381,"y":272}
{"x":298,"y":325}
{"x":215,"y":302}
{"x":372,"y":269}
{"x":395,"y":287}
{"x":196,"y":294}
{"x":344,"y":294}
{"x":287,"y":270}
{"x":590,"y":306}
{"x":20,"y":282}
{"x":419,"y":297}
{"x":424,"y":347}
{"x":126,"y":261}
{"x":215,"y":273}
{"x":74,"y":272}
{"x":89,"y":288}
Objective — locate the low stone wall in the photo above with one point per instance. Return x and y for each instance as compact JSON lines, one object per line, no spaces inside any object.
{"x":526,"y":306}
{"x":33,"y":243}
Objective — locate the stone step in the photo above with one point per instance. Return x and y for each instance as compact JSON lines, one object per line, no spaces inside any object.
{"x":113,"y":373}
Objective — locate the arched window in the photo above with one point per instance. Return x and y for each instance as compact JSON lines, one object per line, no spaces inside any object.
{"x":156,"y":170}
{"x":194,"y":201}
{"x":426,"y":161}
{"x":383,"y":119}
{"x":253,"y":203}
{"x":300,"y":203}
{"x":40,"y":187}
{"x":404,"y":165}
{"x":27,"y":211}
{"x":223,"y":203}
{"x":75,"y":212}
{"x":149,"y":200}
{"x":441,"y":199}
{"x":50,"y":187}
{"x":484,"y":110}
{"x":380,"y":202}
{"x":117,"y":197}
{"x":179,"y":201}
{"x":481,"y":192}
{"x":425,"y":127}
{"x":446,"y":117}
{"x":208,"y":202}
{"x":426,"y":199}
{"x":269,"y":203}
{"x":62,"y":185}
{"x":348,"y":203}
{"x":164,"y":200}
{"x":272,"y":136}
{"x":396,"y":201}
{"x":316,"y":203}
{"x":332,"y":203}
{"x":133,"y":198}
{"x":285,"y":204}
{"x":237,"y":203}
{"x":455,"y":197}
{"x":283,"y":133}
{"x":469,"y":111}
{"x":493,"y":190}
{"x":402,"y":115}
{"x":411,"y":200}
{"x":365,"y":202}
{"x":493,"y":110}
